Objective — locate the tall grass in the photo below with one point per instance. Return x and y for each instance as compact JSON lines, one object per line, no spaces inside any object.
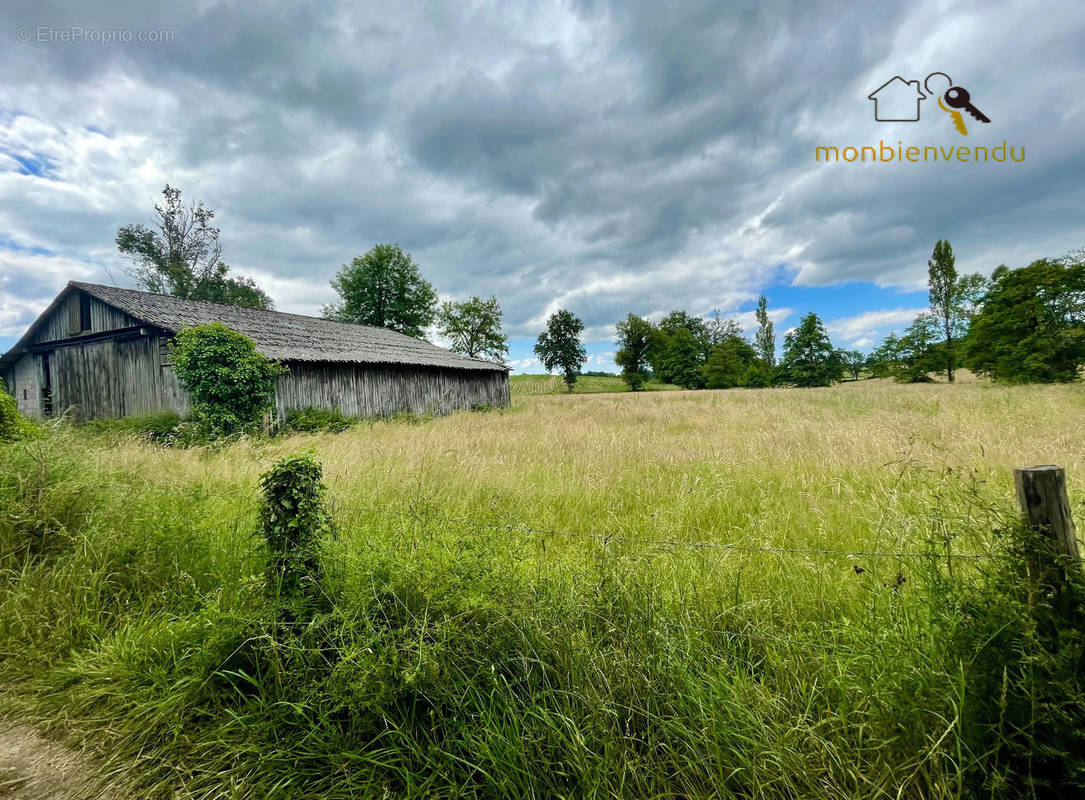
{"x":474,"y":648}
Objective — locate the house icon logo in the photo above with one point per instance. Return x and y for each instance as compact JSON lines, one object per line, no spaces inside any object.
{"x":897,"y":100}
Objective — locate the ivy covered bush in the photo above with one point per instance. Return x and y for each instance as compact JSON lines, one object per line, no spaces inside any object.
{"x":294,"y":521}
{"x":232,"y":385}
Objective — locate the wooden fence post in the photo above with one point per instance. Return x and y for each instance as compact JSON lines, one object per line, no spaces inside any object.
{"x":1041,"y":494}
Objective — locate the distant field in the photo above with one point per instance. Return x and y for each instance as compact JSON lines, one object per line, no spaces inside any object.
{"x":719,"y":594}
{"x":553,"y":384}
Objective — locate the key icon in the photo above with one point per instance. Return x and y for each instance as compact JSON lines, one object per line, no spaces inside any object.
{"x":959,"y":98}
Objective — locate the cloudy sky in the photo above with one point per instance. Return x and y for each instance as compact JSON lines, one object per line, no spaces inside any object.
{"x":604,"y":157}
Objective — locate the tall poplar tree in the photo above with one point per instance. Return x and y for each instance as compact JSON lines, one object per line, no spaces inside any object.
{"x":765,"y":338}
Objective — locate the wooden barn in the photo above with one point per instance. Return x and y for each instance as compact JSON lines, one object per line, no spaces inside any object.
{"x":100,"y":351}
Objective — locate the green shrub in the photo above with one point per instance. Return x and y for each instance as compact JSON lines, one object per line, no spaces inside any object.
{"x":13,"y":425}
{"x":316,"y":420}
{"x":294,"y":520}
{"x":231,"y":384}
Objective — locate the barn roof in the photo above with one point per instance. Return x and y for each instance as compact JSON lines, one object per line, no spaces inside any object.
{"x":281,"y":336}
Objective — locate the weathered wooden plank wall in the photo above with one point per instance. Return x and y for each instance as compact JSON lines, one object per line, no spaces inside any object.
{"x":383,"y":389}
{"x":102,"y":318}
{"x":114,"y":378}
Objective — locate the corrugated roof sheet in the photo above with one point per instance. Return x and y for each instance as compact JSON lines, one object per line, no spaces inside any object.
{"x":286,"y":337}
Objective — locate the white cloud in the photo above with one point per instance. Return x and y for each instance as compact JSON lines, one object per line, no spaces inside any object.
{"x":863,"y":329}
{"x":586,"y":156}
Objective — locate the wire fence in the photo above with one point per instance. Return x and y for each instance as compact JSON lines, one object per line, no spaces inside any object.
{"x":605,"y":538}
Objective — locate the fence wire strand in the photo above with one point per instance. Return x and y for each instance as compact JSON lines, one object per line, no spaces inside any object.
{"x":676,"y":543}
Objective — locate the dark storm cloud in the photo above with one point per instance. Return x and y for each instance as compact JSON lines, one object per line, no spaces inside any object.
{"x":606,"y":156}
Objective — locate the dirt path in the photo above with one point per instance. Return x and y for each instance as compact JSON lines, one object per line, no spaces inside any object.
{"x":35,"y":768}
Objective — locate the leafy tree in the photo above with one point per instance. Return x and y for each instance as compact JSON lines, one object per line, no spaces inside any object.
{"x":669,"y":351}
{"x":684,"y":360}
{"x":474,"y":328}
{"x":759,"y":375}
{"x":181,"y":255}
{"x":717,"y":328}
{"x":680,"y":320}
{"x":633,"y":340}
{"x":920,"y":352}
{"x":765,"y":338}
{"x":384,"y":288}
{"x":854,"y":362}
{"x":231,"y":384}
{"x":809,"y":358}
{"x":1031,"y":328}
{"x":885,"y":356}
{"x":730,"y":364}
{"x":910,"y":357}
{"x":558,"y":347}
{"x":953,"y":300}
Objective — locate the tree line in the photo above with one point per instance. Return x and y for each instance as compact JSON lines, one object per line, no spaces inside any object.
{"x":1024,"y":325}
{"x":1018,"y":325}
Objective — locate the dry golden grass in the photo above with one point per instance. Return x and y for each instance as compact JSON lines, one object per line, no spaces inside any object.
{"x":854,"y":466}
{"x":487,"y":654}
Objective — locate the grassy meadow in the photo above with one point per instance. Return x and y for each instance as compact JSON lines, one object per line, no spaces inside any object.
{"x":741,"y":593}
{"x":585,"y":384}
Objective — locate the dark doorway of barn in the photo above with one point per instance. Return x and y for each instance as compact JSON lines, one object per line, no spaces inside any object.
{"x":46,"y":386}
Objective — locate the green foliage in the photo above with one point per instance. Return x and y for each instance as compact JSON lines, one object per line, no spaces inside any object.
{"x":384,"y":288}
{"x":559,"y":347}
{"x":683,"y":361}
{"x":1016,"y":639}
{"x":809,"y":357}
{"x":294,"y":523}
{"x":318,"y":420}
{"x":230,"y":383}
{"x":13,"y":425}
{"x":181,"y":255}
{"x":1031,"y":328}
{"x":474,"y":328}
{"x":759,"y":375}
{"x":953,"y":302}
{"x":854,"y":362}
{"x":732,"y":363}
{"x":765,"y":338}
{"x":910,"y":358}
{"x":634,"y":340}
{"x":679,"y":346}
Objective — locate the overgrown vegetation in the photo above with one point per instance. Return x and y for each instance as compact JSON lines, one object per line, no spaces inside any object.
{"x":494,"y":659}
{"x":230,"y":383}
{"x":13,"y":425}
{"x":294,"y":523}
{"x":316,"y":420}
